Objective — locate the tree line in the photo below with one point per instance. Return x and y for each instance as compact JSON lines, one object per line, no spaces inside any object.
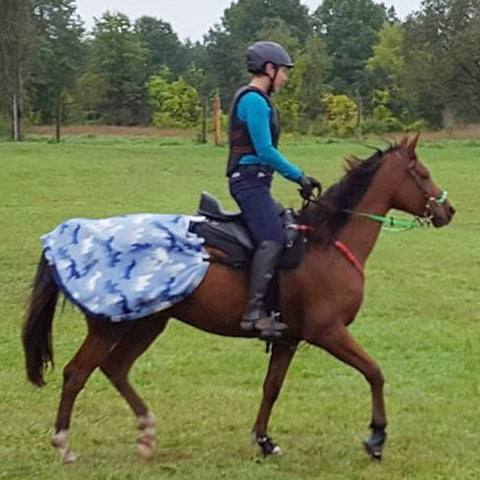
{"x":357,"y":66}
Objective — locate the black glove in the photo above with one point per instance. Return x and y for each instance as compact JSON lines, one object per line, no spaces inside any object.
{"x":308,"y":184}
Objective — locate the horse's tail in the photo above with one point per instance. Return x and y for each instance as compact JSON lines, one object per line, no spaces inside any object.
{"x":37,"y":329}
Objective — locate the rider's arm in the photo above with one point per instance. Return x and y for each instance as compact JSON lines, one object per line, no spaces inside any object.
{"x":253,"y":109}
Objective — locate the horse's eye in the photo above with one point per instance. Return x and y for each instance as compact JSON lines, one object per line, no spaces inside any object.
{"x":420,"y":169}
{"x":423,"y":172}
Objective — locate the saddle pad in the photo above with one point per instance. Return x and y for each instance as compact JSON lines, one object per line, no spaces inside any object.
{"x":126,"y":267}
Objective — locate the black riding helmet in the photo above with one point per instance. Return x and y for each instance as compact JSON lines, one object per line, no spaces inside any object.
{"x":261,"y":53}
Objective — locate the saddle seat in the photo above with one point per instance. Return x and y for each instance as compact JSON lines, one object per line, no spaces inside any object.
{"x":228,"y":232}
{"x":211,"y":208}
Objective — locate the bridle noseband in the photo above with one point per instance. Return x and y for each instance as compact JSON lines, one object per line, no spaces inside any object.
{"x":430,"y":201}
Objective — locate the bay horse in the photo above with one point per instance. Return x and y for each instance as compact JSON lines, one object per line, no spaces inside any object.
{"x":318,"y":299}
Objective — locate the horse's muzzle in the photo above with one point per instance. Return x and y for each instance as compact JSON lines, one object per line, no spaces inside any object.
{"x":443,"y":215}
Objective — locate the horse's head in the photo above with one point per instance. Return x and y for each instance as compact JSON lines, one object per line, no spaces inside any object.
{"x":416,"y":192}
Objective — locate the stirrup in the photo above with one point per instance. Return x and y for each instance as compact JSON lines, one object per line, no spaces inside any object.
{"x":270,"y":323}
{"x":270,"y":329}
{"x":251,"y":317}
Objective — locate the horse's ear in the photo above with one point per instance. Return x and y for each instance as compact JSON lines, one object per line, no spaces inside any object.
{"x":402,"y":143}
{"x":413,"y":145}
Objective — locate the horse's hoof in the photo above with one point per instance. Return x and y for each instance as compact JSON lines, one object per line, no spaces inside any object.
{"x":69,"y":457}
{"x":276,"y":452}
{"x":145,"y":450}
{"x":374,"y":444}
{"x":374,"y":451}
{"x":59,"y":440}
{"x":268,"y":448}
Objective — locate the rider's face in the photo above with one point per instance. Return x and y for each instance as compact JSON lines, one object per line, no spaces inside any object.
{"x":281,"y":76}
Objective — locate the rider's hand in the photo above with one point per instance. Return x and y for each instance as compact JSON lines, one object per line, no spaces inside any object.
{"x":308,"y":185}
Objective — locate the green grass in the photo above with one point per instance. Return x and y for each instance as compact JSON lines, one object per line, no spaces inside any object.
{"x":420,"y":320}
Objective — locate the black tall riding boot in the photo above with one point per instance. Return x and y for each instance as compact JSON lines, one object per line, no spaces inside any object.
{"x":262,"y":269}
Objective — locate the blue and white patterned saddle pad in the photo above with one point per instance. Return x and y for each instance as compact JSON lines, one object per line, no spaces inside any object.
{"x":126,"y":267}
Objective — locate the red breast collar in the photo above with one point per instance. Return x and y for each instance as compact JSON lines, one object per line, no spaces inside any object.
{"x":350,"y":256}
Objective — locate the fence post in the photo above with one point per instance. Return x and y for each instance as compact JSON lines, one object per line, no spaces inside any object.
{"x":203,"y":134}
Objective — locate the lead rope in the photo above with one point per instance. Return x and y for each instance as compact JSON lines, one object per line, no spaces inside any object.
{"x":392,"y":224}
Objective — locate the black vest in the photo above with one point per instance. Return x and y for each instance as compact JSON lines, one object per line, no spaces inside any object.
{"x":238,"y":136}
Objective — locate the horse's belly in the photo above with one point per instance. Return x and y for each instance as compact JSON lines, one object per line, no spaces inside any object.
{"x":217,"y":304}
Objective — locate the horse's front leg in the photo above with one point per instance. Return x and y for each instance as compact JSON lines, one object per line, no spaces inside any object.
{"x":338,"y":341}
{"x":277,"y":369}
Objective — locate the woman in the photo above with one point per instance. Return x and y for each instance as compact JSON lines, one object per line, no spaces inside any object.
{"x":253,"y":136}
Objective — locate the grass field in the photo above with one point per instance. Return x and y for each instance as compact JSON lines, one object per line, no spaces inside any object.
{"x":420,"y":320}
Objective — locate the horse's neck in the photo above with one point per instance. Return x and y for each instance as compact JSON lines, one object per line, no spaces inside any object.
{"x":361,"y":233}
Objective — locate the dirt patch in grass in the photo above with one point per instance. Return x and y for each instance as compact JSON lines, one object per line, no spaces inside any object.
{"x":454,"y":133}
{"x":110,"y":130}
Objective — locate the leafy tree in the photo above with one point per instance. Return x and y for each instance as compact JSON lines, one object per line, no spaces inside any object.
{"x":443,"y":59}
{"x":243,"y":23}
{"x":15,"y":39}
{"x":387,"y":65}
{"x":341,"y":114}
{"x":226,"y":62}
{"x":289,"y":99}
{"x":198,"y":79}
{"x":57,"y":54}
{"x":466,"y":52}
{"x":162,"y":44}
{"x":383,"y":119}
{"x":350,"y":30}
{"x":388,"y":53}
{"x":316,"y":68}
{"x":246,"y":17}
{"x":116,"y":62}
{"x":89,"y":93}
{"x":277,"y":30}
{"x":175,"y":104}
{"x":195,"y":54}
{"x":300,"y":100}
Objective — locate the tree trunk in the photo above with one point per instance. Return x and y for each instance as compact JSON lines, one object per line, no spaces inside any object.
{"x":58,"y":112}
{"x":358,"y":127}
{"x":17,"y":107}
{"x":203,"y":136}
{"x":15,"y":123}
{"x":217,"y":111}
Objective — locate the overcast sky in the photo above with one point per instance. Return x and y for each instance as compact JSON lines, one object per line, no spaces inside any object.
{"x":191,"y":18}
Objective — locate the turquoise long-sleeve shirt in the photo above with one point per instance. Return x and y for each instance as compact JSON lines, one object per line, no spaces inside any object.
{"x":254,"y":110}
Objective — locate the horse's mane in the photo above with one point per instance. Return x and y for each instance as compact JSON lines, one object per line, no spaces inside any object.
{"x":330,"y":212}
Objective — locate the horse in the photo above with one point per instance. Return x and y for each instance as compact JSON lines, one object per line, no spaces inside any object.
{"x":318,"y":299}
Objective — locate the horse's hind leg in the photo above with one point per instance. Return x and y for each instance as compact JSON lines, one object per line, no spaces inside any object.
{"x":279,"y":362}
{"x":101,"y":338}
{"x":117,"y":366}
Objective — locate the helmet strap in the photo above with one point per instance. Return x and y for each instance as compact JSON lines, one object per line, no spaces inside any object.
{"x":271,"y":89}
